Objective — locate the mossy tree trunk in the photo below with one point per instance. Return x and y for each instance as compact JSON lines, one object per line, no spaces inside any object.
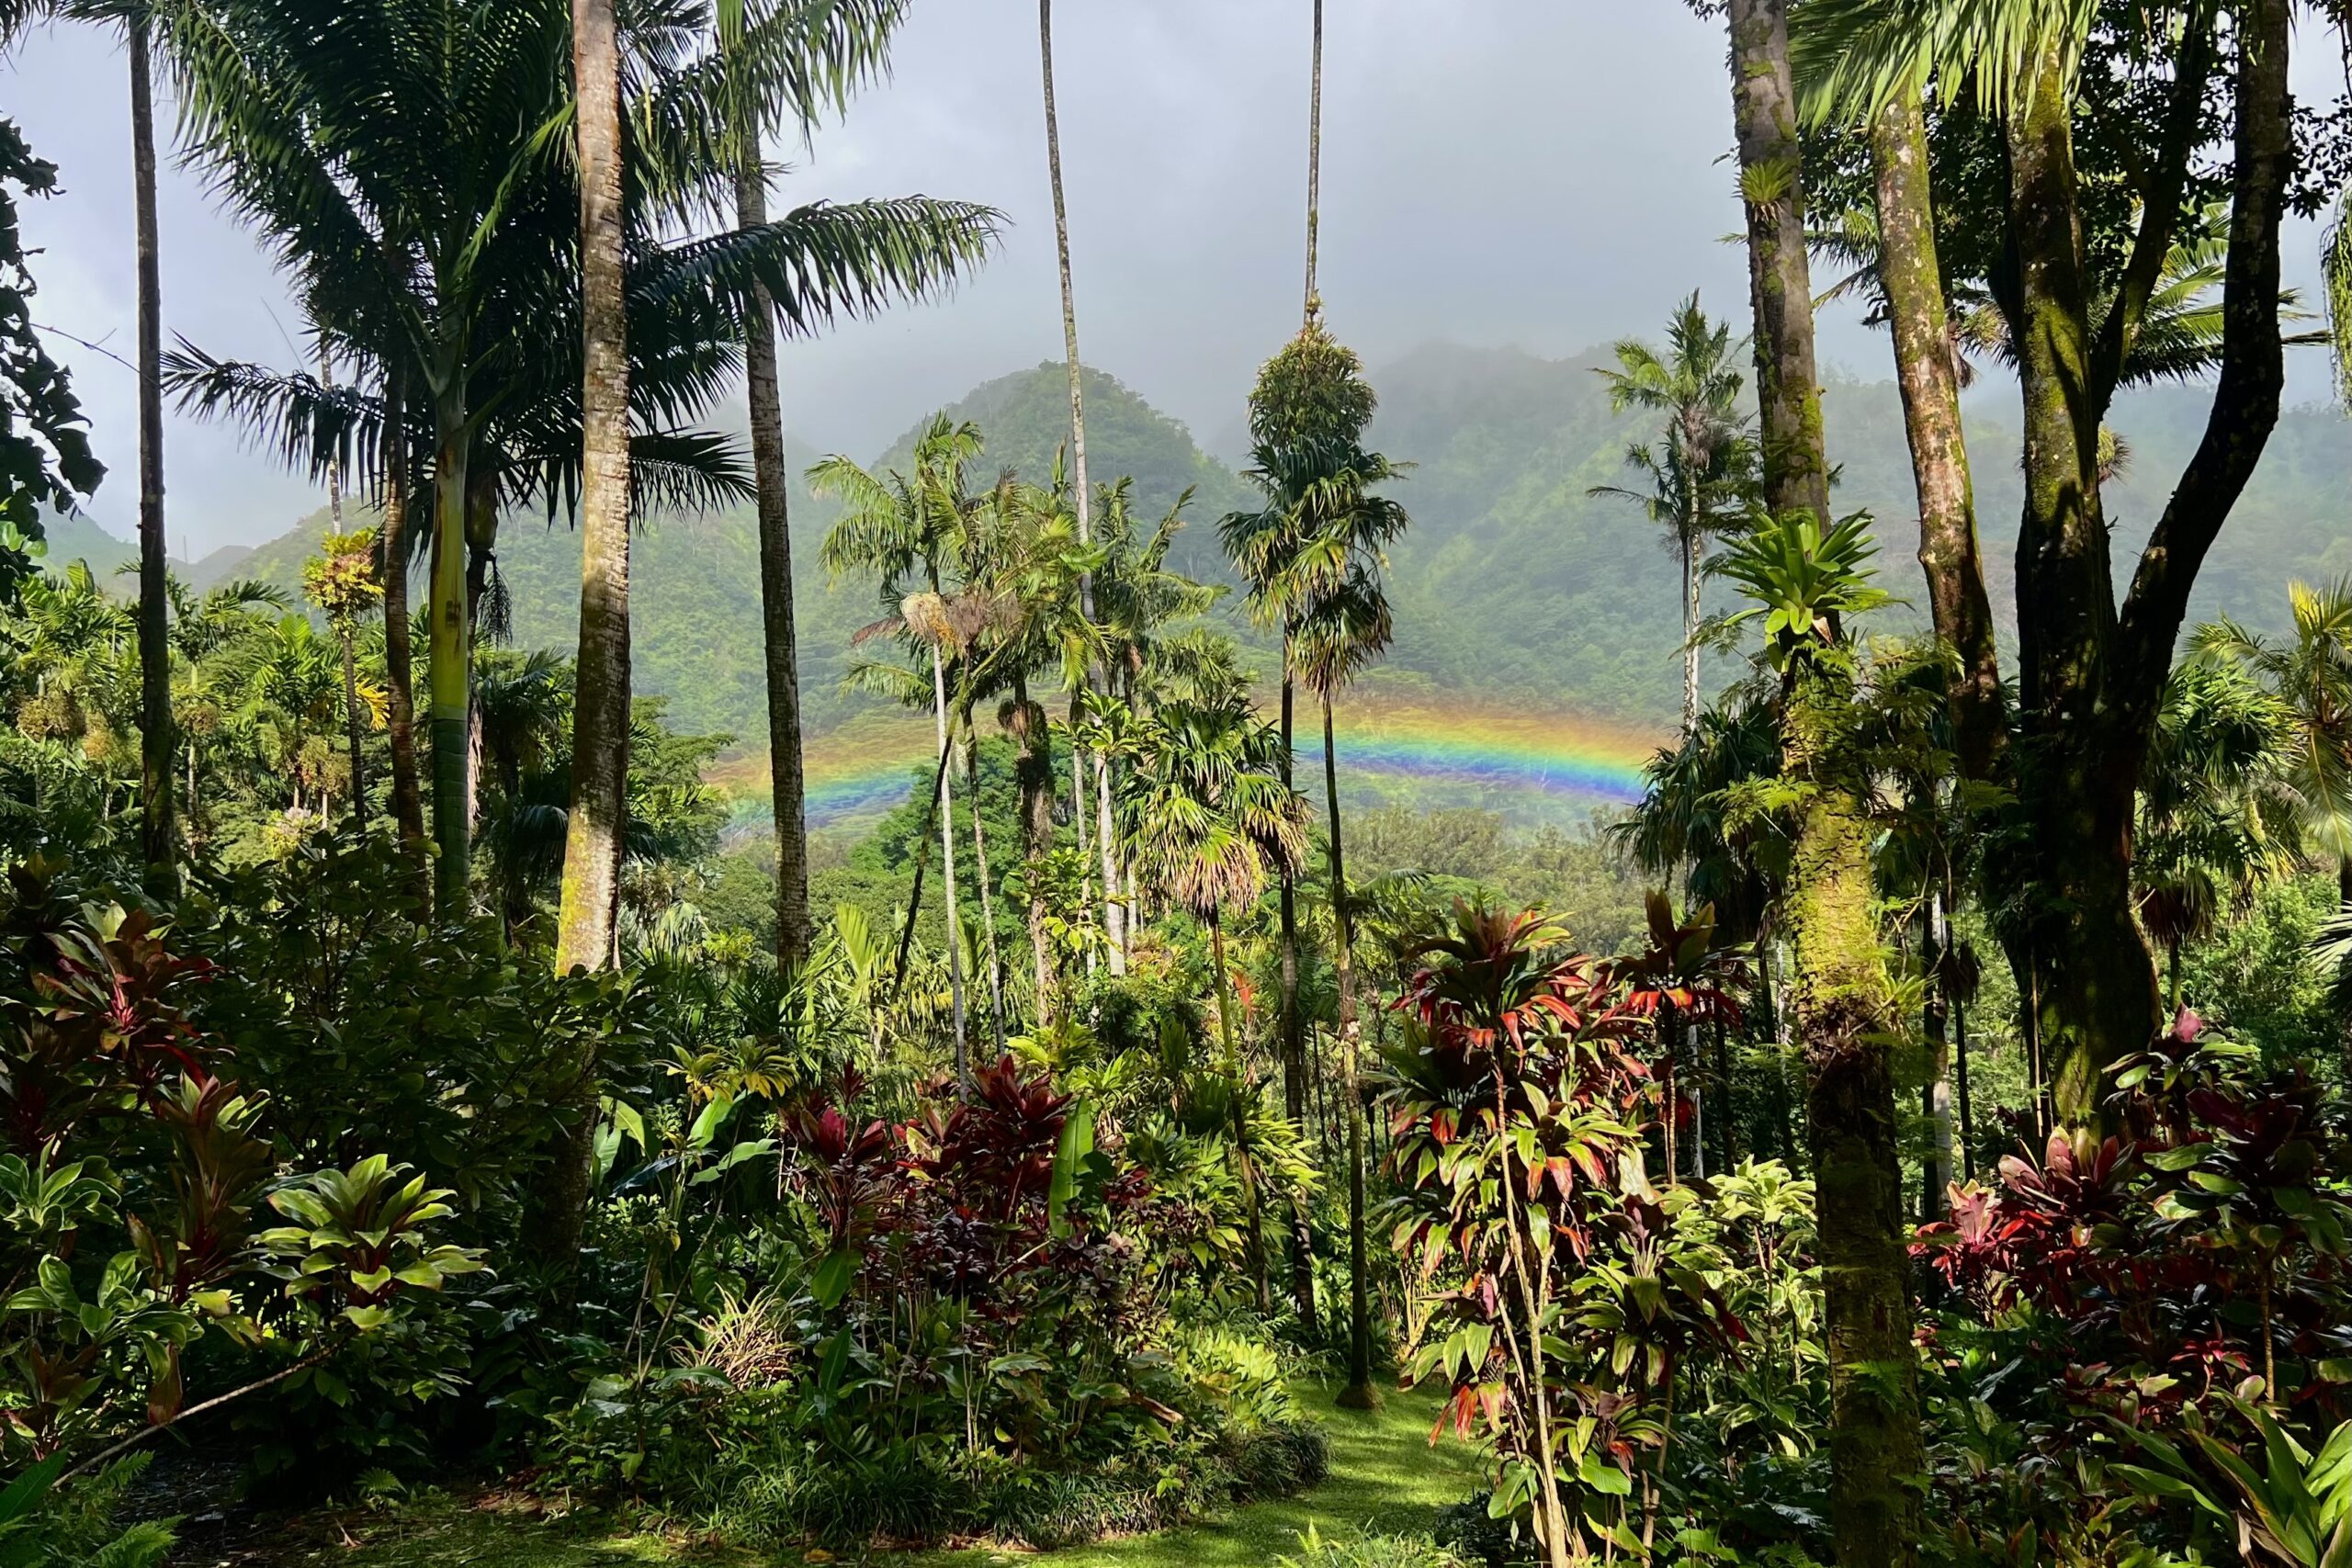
{"x":1842,"y":996}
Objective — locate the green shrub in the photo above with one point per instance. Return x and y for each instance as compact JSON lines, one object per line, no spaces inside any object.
{"x":1472,"y":1531}
{"x":1281,"y":1460}
{"x":1371,"y":1551}
{"x":902,"y":1495}
{"x":1232,"y":1381}
{"x":1051,"y":1511}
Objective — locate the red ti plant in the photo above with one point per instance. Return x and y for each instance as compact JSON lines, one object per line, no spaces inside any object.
{"x":1512,"y":1105}
{"x":1682,"y":979}
{"x":2174,"y":1259}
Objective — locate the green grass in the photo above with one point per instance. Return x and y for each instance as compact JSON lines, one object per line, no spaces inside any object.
{"x":1384,"y":1476}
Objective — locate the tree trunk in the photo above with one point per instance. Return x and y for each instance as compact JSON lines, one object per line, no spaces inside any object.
{"x":1314,"y":166}
{"x":1690,"y":628}
{"x":947,"y":874}
{"x":1238,"y":1077}
{"x":1291,"y":1043}
{"x":1929,"y":374}
{"x":1033,"y":768}
{"x":2098,"y":982}
{"x":988,"y":901}
{"x":601,"y":702}
{"x":1113,"y":913}
{"x":1844,"y":1005}
{"x":450,"y":652}
{"x":1359,"y":1393}
{"x":354,"y":731}
{"x":1722,"y":1074}
{"x":1788,"y":389}
{"x":600,"y":729}
{"x":786,"y":785}
{"x":1077,"y":823}
{"x":1959,"y":1071}
{"x":1935,"y":1097}
{"x":158,"y":842}
{"x":1843,"y":998}
{"x":1117,"y":936}
{"x":399,"y":679}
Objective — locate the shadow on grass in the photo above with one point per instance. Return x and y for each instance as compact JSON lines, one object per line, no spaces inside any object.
{"x":1384,"y":1476}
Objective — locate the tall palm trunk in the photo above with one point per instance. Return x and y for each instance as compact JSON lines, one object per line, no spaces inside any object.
{"x":1690,"y":628}
{"x":988,"y":900}
{"x":1359,"y":1394}
{"x":591,"y":853}
{"x":1935,"y":1097}
{"x":600,"y":726}
{"x":400,"y":723}
{"x":1698,"y":1090}
{"x":157,"y":841}
{"x":1237,"y":1076}
{"x":355,"y":729}
{"x":1078,"y":821}
{"x":1842,"y":994}
{"x":1314,"y":161}
{"x":1291,"y":1044}
{"x":1115,"y":921}
{"x":786,"y":785}
{"x":1033,"y":767}
{"x":948,"y":867}
{"x":450,"y":650}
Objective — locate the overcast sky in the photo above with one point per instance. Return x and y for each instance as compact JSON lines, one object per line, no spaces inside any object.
{"x":1540,"y":173}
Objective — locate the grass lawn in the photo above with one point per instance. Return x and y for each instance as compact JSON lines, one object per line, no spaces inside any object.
{"x":1384,"y":1476}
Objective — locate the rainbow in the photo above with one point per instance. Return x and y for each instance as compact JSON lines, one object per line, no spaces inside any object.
{"x":1494,"y":751}
{"x":1489,"y":746}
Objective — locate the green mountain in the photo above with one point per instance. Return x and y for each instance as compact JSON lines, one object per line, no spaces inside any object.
{"x":695,"y":586}
{"x":1514,"y":584}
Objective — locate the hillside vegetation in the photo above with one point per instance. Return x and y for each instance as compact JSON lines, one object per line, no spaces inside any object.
{"x":1514,"y":582}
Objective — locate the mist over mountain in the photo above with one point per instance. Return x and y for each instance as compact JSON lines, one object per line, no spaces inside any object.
{"x":1515,"y":583}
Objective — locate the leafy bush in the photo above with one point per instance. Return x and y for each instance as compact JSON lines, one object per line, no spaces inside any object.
{"x":1470,"y":1530}
{"x":42,"y":1526}
{"x":1281,"y":1460}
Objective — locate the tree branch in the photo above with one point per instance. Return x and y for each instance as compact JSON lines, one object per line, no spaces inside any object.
{"x":2159,"y":209}
{"x":2252,"y":377}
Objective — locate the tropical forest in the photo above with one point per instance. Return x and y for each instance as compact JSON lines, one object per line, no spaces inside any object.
{"x":675,"y":890}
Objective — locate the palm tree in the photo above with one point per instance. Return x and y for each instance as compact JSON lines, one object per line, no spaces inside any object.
{"x":1699,"y":477}
{"x":1213,"y":816}
{"x":1346,"y":629}
{"x":1115,"y":921}
{"x":2310,"y":672}
{"x":155,"y":737}
{"x":1314,"y":163}
{"x":600,"y":673}
{"x":1032,"y":566}
{"x":911,"y":530}
{"x":158,"y":843}
{"x":1321,"y":524}
{"x":2219,"y":814}
{"x":523,"y":715}
{"x":785,"y":63}
{"x":341,"y":581}
{"x":334,"y":127}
